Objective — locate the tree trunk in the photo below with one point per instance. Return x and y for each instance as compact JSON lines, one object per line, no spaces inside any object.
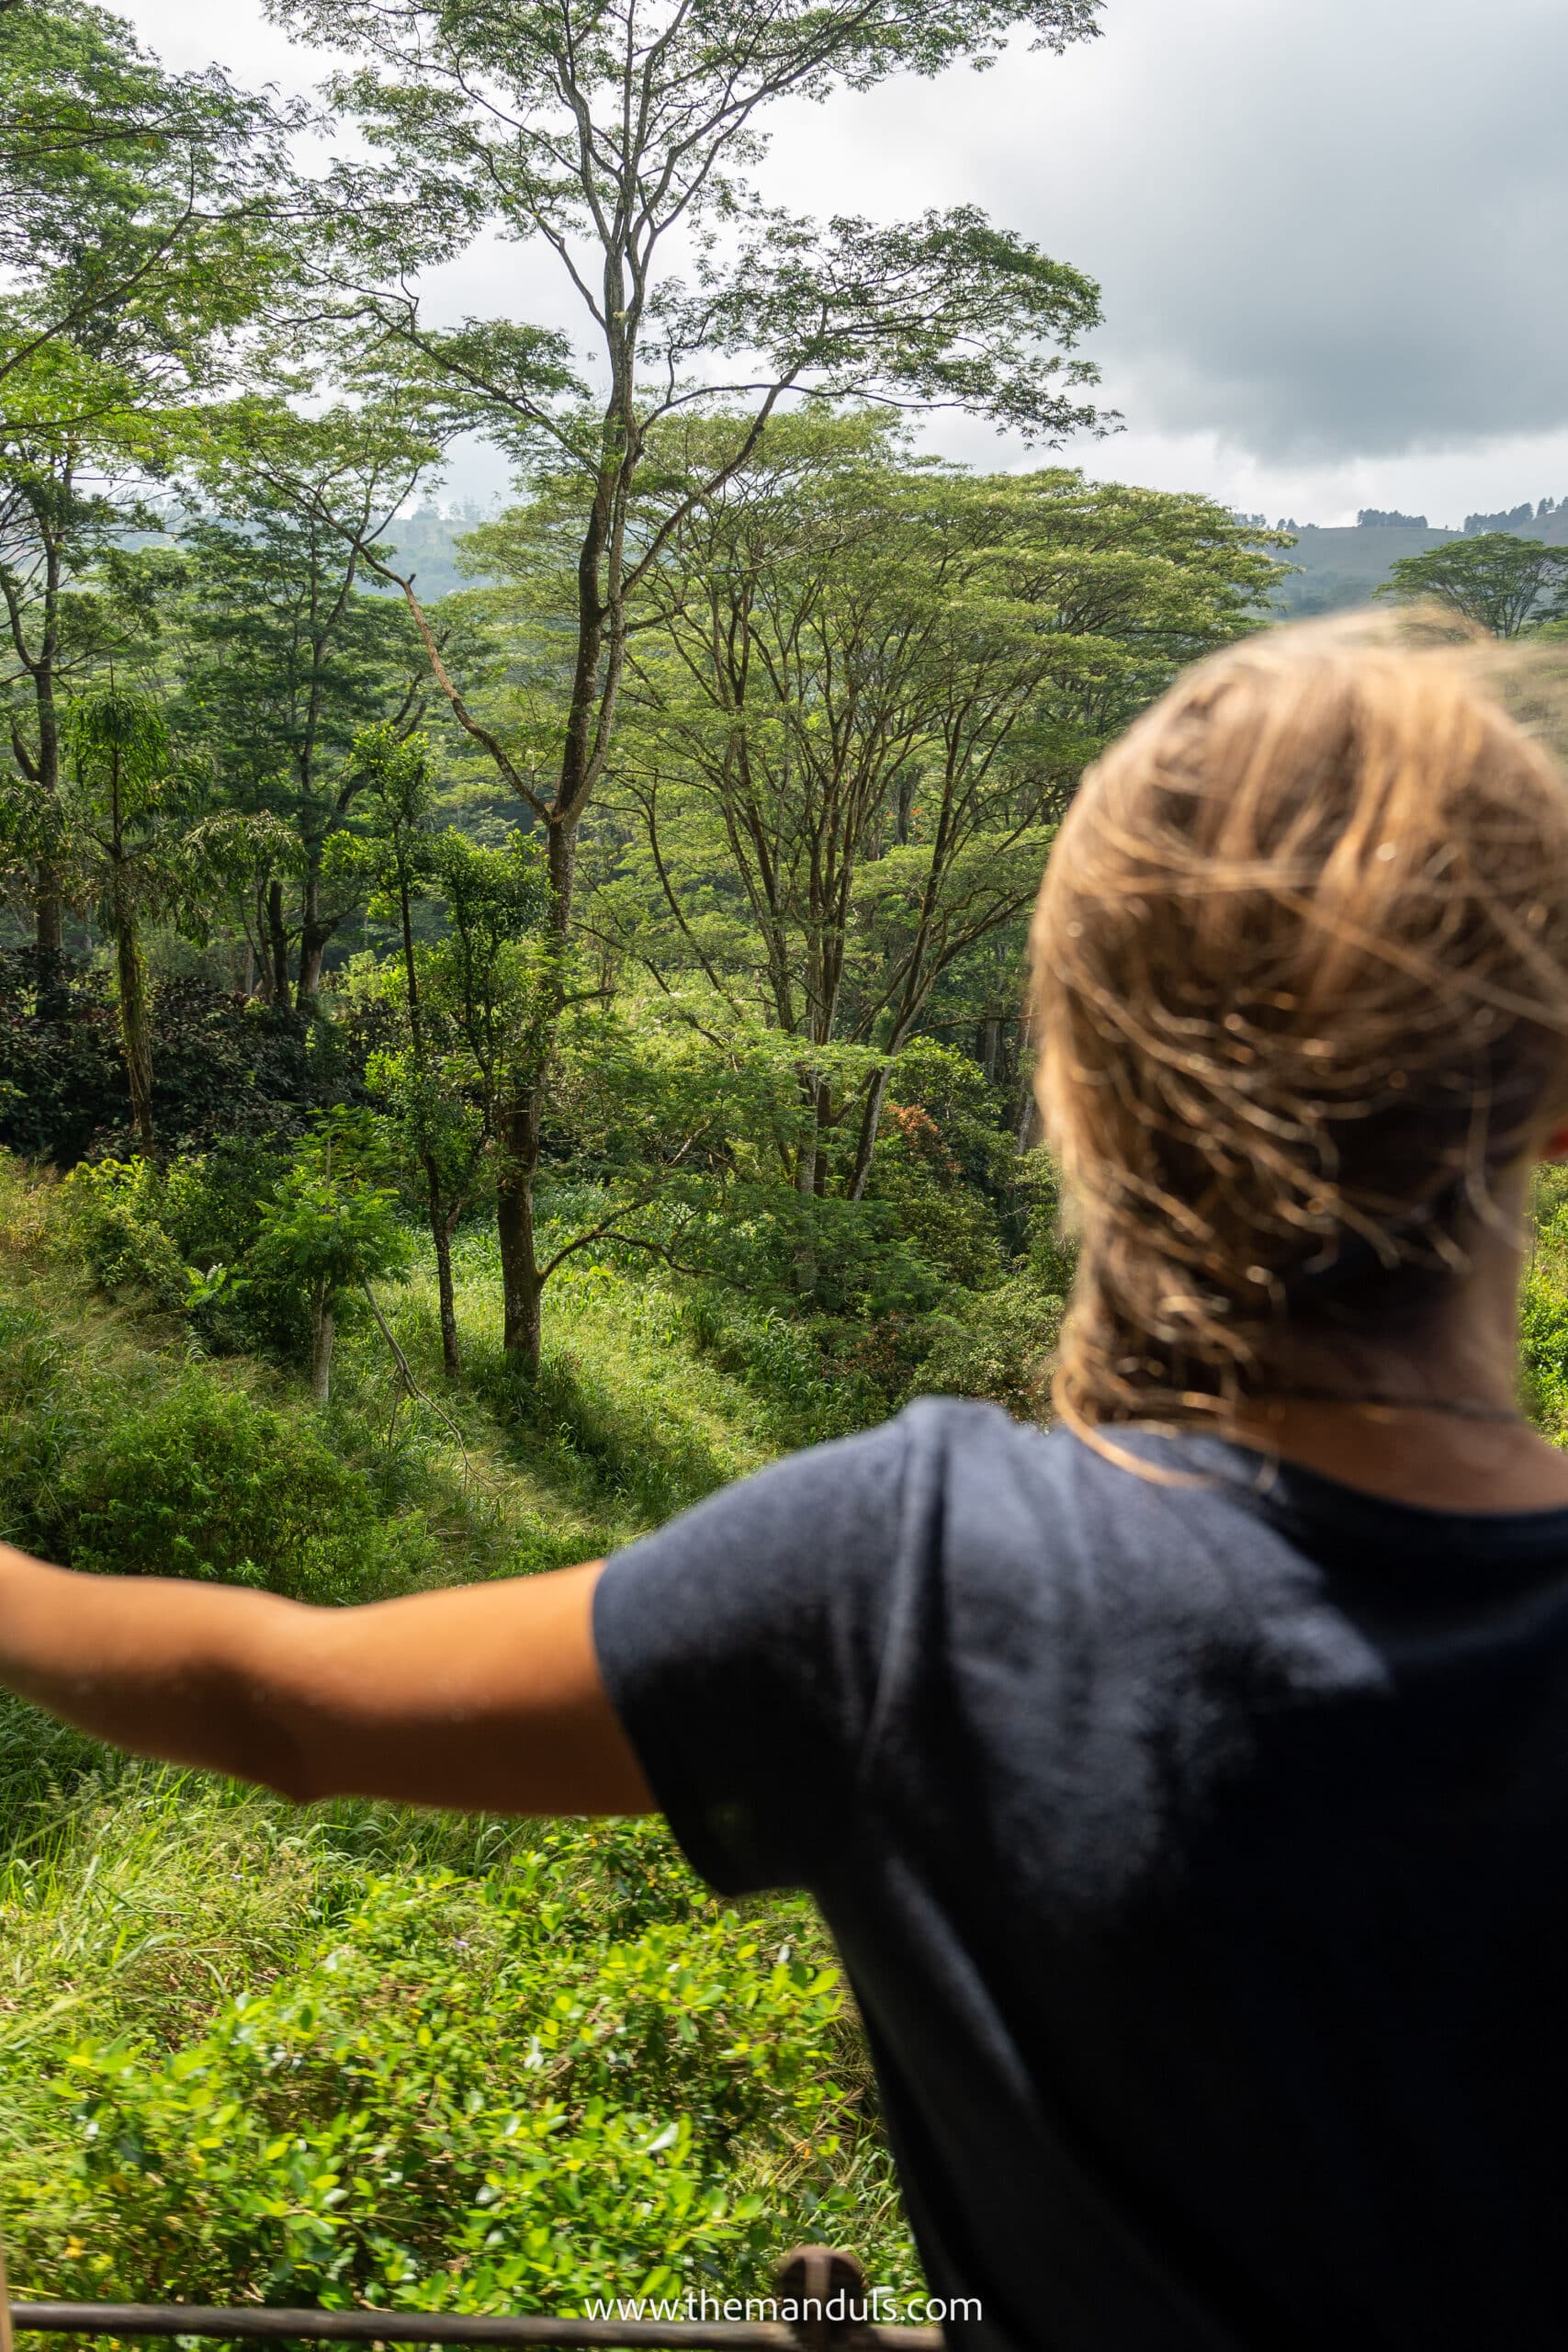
{"x":50,"y":912}
{"x":312,"y":954}
{"x":323,"y":1330}
{"x":871,"y":1119}
{"x":440,"y":1235}
{"x":49,"y":906}
{"x":134,"y":1038}
{"x":53,"y":996}
{"x":521,"y":1289}
{"x":314,"y":934}
{"x":519,"y":1128}
{"x":276,"y":948}
{"x":1028,"y":1120}
{"x":806,"y":1149}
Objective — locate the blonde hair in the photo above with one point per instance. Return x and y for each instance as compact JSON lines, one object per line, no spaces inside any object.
{"x":1300,"y":988}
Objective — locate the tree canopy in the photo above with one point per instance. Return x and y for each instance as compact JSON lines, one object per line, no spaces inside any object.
{"x":1501,"y":582}
{"x":617,"y":889}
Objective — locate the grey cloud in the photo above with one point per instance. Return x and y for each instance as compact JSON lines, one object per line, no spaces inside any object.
{"x":1323,"y":227}
{"x":1346,"y":227}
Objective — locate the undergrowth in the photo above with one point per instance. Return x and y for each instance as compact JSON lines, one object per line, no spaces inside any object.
{"x":360,"y":2053}
{"x":355,"y":2052}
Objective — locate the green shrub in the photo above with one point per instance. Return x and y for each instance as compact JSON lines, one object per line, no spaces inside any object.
{"x":45,"y":1416}
{"x":115,"y":1213}
{"x":996,"y":1346}
{"x":207,"y":1482}
{"x":946,"y":1222}
{"x":573,"y":2078}
{"x":1543,"y":1348}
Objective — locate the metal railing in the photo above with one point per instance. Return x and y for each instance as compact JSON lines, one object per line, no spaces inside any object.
{"x":824,"y":2289}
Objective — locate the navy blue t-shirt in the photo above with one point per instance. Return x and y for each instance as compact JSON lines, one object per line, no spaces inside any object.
{"x":1198,"y":1853}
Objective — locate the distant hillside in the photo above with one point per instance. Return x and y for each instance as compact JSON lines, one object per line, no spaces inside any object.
{"x":1338,"y":567}
{"x":1346,"y":565}
{"x":426,"y":545}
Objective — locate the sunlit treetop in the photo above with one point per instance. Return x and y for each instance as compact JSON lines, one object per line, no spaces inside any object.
{"x":604,"y":126}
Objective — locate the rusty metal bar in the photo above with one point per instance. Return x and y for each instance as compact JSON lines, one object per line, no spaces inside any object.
{"x":823,"y":2285}
{"x":238,"y":2324}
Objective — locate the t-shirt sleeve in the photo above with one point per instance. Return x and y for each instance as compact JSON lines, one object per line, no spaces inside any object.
{"x":741,"y":1646}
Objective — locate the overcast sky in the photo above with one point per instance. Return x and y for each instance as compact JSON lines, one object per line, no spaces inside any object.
{"x":1331,"y":234}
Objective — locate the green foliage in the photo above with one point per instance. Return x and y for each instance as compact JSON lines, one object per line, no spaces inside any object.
{"x":568,"y":2076}
{"x":135,"y":220}
{"x":786,"y":1364}
{"x":359,"y":2052}
{"x":996,"y":1346}
{"x":1497,"y":581}
{"x":207,"y":1482}
{"x":320,"y":1232}
{"x":198,"y":1478}
{"x":225,"y":1070}
{"x":554,"y":2112}
{"x":237,"y":1238}
{"x":118,"y":1211}
{"x":1543,"y":1307}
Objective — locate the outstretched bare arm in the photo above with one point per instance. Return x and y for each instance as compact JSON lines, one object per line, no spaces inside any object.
{"x":486,"y":1697}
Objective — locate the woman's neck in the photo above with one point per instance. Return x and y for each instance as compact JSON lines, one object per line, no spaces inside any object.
{"x":1440,"y":1460}
{"x":1434,"y":1421}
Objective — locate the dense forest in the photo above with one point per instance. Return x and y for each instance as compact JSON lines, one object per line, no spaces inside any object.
{"x":488,"y":1054}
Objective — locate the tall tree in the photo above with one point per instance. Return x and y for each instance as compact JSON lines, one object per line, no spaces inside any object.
{"x":288,"y":655}
{"x":1500,"y":582}
{"x":141,"y":218}
{"x":469,"y":1000}
{"x":64,"y":506}
{"x":600,"y":129}
{"x":131,"y":841}
{"x":860,"y":695}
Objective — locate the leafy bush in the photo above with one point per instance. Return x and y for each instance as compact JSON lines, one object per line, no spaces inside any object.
{"x":1543,"y":1307}
{"x":948,"y":1221}
{"x":221,"y":1065}
{"x":46,"y":1414}
{"x":784,"y":1249}
{"x":212,"y":1201}
{"x":289,"y":1234}
{"x":574,"y":2078}
{"x":62,"y":1083}
{"x":996,"y":1346}
{"x":207,"y":1482}
{"x":117,"y":1211}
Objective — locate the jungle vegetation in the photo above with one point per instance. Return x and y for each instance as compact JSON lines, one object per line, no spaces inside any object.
{"x":477,"y":1070}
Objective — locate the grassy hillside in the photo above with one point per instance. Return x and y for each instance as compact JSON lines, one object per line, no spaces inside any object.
{"x":355,"y":2052}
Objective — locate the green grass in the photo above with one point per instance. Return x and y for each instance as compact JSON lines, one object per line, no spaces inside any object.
{"x":356,"y":2052}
